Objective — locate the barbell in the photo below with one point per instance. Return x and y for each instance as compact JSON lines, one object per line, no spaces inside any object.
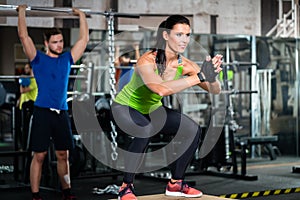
{"x":11,"y":10}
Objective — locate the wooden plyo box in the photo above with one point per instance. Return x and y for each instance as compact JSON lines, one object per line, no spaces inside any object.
{"x":164,"y":197}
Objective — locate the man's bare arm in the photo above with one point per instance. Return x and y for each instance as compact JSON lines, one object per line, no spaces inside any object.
{"x":80,"y":45}
{"x":28,"y":45}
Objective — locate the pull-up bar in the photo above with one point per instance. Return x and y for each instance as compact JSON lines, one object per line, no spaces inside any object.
{"x":10,"y":10}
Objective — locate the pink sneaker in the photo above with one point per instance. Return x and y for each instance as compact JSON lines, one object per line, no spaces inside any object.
{"x":181,"y":189}
{"x":127,"y":193}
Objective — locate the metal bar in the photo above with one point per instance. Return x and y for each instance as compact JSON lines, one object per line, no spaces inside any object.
{"x":280,"y":9}
{"x":272,"y":31}
{"x":239,"y":63}
{"x":114,"y":14}
{"x":69,"y":11}
{"x":7,"y":7}
{"x":14,"y":77}
{"x":296,"y":16}
{"x":81,"y":66}
{"x":50,"y":9}
{"x":77,"y":76}
{"x":222,"y":92}
{"x":11,"y":10}
{"x":18,"y":77}
{"x":93,"y":93}
{"x":296,"y":86}
{"x":194,"y":92}
{"x":254,"y":97}
{"x":90,"y":77}
{"x":124,"y":67}
{"x":65,"y":10}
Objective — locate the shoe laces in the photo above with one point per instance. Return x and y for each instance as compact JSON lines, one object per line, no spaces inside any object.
{"x":125,"y":189}
{"x":183,"y":185}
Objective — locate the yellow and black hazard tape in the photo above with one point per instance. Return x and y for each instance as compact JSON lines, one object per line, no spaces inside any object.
{"x":261,"y":193}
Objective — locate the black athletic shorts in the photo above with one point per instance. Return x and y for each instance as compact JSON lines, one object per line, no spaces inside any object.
{"x":50,"y":126}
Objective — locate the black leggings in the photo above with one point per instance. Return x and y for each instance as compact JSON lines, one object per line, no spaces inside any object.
{"x":161,"y":121}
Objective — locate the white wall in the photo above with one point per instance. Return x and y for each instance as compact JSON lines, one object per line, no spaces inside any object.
{"x":234,"y":16}
{"x":96,"y":21}
{"x":32,"y":21}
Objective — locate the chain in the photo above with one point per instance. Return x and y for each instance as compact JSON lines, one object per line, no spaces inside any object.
{"x":111,"y":59}
{"x":6,"y":169}
{"x":112,"y":189}
{"x":112,"y":82}
{"x":114,"y":144}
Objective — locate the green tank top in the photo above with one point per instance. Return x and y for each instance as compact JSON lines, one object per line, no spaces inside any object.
{"x":139,"y":97}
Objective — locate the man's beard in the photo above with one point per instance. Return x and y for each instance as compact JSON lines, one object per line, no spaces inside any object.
{"x":54,"y":52}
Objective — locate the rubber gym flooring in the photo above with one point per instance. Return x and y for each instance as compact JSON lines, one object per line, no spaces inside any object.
{"x":275,"y":181}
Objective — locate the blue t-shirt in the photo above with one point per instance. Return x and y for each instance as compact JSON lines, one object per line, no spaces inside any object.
{"x":52,"y":75}
{"x":125,"y":77}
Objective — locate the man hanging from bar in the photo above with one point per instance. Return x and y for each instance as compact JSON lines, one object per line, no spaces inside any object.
{"x":50,"y":115}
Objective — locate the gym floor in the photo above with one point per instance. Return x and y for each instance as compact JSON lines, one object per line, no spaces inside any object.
{"x":275,"y":180}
